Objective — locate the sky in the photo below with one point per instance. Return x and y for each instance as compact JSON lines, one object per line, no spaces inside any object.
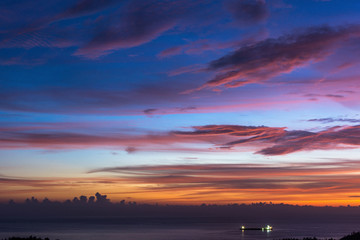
{"x":181,"y":101}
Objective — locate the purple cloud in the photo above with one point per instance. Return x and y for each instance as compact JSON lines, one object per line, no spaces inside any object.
{"x":170,"y":51}
{"x":140,"y":22}
{"x":278,"y":141}
{"x":150,"y":111}
{"x":266,"y":59}
{"x":330,"y":120}
{"x":268,"y":140}
{"x":248,"y":11}
{"x":85,"y":7}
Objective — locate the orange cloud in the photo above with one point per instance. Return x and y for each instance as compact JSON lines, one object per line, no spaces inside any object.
{"x":300,"y":183}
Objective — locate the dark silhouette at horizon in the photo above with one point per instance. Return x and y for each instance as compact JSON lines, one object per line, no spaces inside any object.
{"x":352,"y":236}
{"x":85,"y":208}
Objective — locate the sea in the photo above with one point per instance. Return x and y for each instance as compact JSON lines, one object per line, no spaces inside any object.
{"x":167,"y":229}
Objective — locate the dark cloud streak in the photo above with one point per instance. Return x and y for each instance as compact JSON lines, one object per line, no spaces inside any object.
{"x":85,"y":7}
{"x":330,"y":120}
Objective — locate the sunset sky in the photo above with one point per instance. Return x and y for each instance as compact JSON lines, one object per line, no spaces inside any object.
{"x":181,"y":101}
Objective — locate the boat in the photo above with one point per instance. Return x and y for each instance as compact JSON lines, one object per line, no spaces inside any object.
{"x":267,"y":228}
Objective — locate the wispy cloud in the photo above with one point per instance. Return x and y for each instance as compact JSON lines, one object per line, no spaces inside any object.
{"x":280,"y":141}
{"x":266,"y":59}
{"x":85,"y":7}
{"x":125,"y":24}
{"x":150,"y":111}
{"x":110,"y":25}
{"x":202,"y":45}
{"x":292,"y":182}
{"x":237,"y":180}
{"x":140,"y":22}
{"x":273,"y":140}
{"x":330,"y":120}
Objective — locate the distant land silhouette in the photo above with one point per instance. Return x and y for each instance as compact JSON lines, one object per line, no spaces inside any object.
{"x":353,"y":236}
{"x":26,"y":238}
{"x":99,"y":206}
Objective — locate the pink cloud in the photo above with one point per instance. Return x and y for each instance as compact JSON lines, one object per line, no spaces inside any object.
{"x":170,"y":52}
{"x":209,"y":138}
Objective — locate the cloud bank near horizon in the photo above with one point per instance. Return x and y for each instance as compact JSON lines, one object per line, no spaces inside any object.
{"x":274,"y":140}
{"x":301,"y":183}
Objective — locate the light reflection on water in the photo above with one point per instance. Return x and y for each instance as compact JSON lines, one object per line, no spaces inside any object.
{"x":169,"y":231}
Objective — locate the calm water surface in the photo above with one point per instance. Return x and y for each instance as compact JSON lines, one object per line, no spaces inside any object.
{"x":155,"y":229}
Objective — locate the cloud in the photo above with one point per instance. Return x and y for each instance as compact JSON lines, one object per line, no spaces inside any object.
{"x":234,"y":130}
{"x":248,"y":11}
{"x":334,"y":96}
{"x":42,"y":186}
{"x":73,"y":140}
{"x":196,"y":47}
{"x":186,"y":109}
{"x":266,"y":59}
{"x":170,"y":51}
{"x":150,"y":111}
{"x":140,"y":22}
{"x":90,"y":99}
{"x":205,"y":182}
{"x":42,"y":27}
{"x":310,"y":177}
{"x":85,"y":7}
{"x":330,"y":120}
{"x":131,"y":150}
{"x":95,"y":27}
{"x":209,"y":138}
{"x":279,"y":140}
{"x":202,"y":45}
{"x":186,"y":69}
{"x":40,"y":183}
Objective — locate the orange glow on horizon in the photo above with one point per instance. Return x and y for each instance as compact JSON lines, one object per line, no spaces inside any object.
{"x":333,"y":183}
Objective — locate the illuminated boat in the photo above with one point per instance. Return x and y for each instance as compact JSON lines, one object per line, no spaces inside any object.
{"x":267,"y":228}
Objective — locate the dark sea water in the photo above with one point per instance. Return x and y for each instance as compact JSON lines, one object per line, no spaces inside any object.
{"x":168,"y":229}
